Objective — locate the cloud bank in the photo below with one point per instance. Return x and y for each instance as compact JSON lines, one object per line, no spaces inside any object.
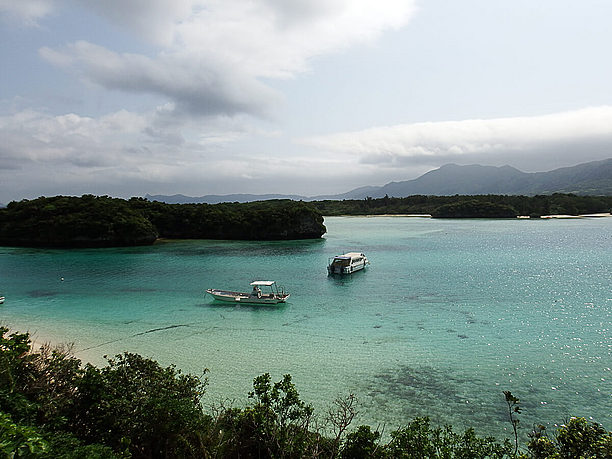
{"x":479,"y":140}
{"x":127,"y":152}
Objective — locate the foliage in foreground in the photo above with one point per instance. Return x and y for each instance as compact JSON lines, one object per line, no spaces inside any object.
{"x":51,"y":406}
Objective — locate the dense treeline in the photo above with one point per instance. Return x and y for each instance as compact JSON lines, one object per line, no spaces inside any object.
{"x":52,"y":406}
{"x":262,"y":220}
{"x":69,"y":221}
{"x":101,"y":221}
{"x":488,"y":206}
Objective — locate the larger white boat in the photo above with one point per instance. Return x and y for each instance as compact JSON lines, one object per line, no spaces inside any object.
{"x":271,"y":295}
{"x":347,"y":263}
{"x":1,"y":299}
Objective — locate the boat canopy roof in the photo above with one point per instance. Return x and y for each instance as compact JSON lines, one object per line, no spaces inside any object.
{"x":350,"y":255}
{"x":266,"y":283}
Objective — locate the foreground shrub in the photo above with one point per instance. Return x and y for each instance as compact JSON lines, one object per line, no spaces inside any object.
{"x":134,"y":404}
{"x":276,"y":424}
{"x":576,"y":439}
{"x":419,"y":439}
{"x":18,"y":440}
{"x":362,"y":443}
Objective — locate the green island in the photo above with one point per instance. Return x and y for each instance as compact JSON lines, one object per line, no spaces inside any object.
{"x":52,"y":406}
{"x":101,"y":221}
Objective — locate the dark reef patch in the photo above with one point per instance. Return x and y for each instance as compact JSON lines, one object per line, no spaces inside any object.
{"x":439,"y":393}
{"x":42,"y":293}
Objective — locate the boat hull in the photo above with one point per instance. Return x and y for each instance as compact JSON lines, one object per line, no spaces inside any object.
{"x":345,"y":269}
{"x":245,"y":298}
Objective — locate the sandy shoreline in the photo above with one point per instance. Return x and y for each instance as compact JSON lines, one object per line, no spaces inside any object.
{"x":383,"y":215}
{"x":522,"y":217}
{"x":600,"y":215}
{"x":38,"y":341}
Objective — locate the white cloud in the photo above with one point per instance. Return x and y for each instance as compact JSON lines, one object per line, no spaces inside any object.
{"x":124,"y":139}
{"x":214,"y":54}
{"x":126,"y":154}
{"x":35,"y":137}
{"x":26,"y":12}
{"x":155,"y":20}
{"x":119,"y":147}
{"x":275,"y":38}
{"x":474,"y":140}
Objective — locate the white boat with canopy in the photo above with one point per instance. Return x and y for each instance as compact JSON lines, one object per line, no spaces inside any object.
{"x":270,"y":295}
{"x":347,"y":263}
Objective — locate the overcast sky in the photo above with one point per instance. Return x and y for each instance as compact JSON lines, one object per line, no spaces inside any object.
{"x":128,"y":97}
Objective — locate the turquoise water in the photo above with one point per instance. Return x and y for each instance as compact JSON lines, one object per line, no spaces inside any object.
{"x":448,"y":315}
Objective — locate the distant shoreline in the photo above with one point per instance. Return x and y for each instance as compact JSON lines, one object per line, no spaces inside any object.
{"x":600,"y":215}
{"x":382,"y":215}
{"x":521,"y":217}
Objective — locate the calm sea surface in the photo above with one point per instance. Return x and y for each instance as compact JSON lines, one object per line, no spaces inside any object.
{"x":448,"y":315}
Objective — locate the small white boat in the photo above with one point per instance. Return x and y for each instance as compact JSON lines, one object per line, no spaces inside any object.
{"x":271,"y":295}
{"x":1,"y":299}
{"x":347,"y":263}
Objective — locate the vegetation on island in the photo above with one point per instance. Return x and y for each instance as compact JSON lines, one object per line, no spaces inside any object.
{"x":477,"y":206}
{"x":51,"y":406}
{"x":280,"y":219}
{"x":101,"y":221}
{"x":88,"y":221}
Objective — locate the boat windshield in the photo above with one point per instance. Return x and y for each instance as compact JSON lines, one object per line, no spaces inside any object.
{"x":344,"y":261}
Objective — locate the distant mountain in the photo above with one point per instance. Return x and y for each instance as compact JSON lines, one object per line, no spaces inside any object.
{"x":452,"y":179}
{"x":593,"y":178}
{"x":215,"y":198}
{"x":357,"y":193}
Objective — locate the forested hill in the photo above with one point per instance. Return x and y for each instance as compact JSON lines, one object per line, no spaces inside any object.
{"x":101,"y":221}
{"x":593,"y":178}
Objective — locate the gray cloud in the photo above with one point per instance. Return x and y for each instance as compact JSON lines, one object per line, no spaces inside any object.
{"x":213,"y":55}
{"x":121,"y":146}
{"x":127,"y":153}
{"x":197,"y":88}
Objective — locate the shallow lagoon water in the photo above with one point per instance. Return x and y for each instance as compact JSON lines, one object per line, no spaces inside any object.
{"x":449,"y":314}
